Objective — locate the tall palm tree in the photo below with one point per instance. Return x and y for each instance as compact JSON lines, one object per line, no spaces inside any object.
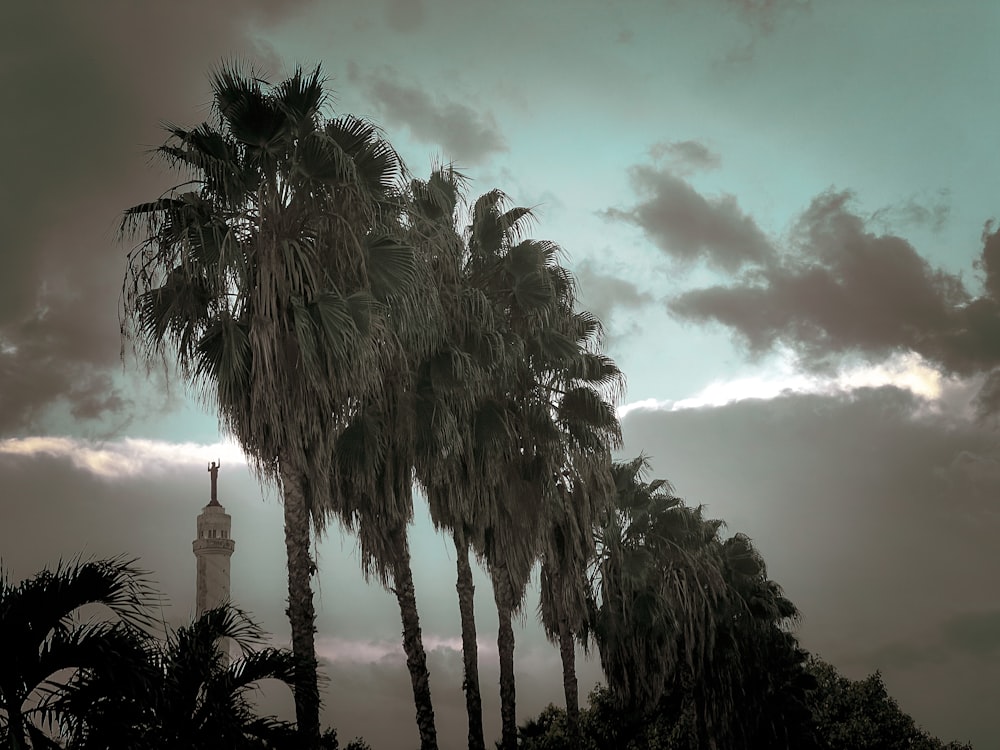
{"x":265,"y":277}
{"x":455,"y":408}
{"x":554,"y":420}
{"x":43,"y":634}
{"x":450,"y":387}
{"x":374,"y":498}
{"x":517,"y":453}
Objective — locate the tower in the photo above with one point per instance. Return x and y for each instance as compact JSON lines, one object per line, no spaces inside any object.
{"x":213,"y":547}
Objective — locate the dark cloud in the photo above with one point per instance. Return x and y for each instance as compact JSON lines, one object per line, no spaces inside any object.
{"x":855,"y":504}
{"x":902,"y":656}
{"x":689,"y":227}
{"x":465,"y":135}
{"x":844,"y":289}
{"x":87,"y":86}
{"x":974,"y":634}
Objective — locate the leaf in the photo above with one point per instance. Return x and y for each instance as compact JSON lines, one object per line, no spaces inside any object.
{"x":391,"y":267}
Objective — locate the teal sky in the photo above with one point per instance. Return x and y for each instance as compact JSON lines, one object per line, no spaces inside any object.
{"x":756,"y":195}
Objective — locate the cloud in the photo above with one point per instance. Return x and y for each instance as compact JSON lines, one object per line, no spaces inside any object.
{"x":686,"y":225}
{"x":974,"y":634}
{"x":977,"y":633}
{"x":763,"y":14}
{"x":604,"y":293}
{"x":126,"y":458}
{"x":90,"y":85}
{"x":59,"y":355}
{"x":365,"y":651}
{"x":843,"y":289}
{"x":854,"y":500}
{"x":906,"y":372}
{"x":466,"y":135}
{"x":685,"y":157}
{"x":914,"y":212}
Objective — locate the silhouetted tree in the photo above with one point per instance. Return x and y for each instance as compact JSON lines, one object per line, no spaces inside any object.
{"x":43,"y":634}
{"x":265,"y":281}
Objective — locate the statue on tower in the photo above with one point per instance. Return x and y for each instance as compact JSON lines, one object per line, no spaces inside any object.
{"x":213,"y":469}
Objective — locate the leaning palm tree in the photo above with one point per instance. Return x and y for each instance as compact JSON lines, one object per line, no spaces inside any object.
{"x":43,"y":634}
{"x":265,"y":276}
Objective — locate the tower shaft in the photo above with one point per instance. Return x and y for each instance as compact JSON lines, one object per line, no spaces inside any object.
{"x":213,"y":548}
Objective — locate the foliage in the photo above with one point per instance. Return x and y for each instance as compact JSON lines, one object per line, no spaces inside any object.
{"x":842,"y":715}
{"x":861,"y":715}
{"x":329,"y":741}
{"x":44,"y":632}
{"x":79,"y":684}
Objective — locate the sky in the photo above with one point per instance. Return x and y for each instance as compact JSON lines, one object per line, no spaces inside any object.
{"x":782,"y":211}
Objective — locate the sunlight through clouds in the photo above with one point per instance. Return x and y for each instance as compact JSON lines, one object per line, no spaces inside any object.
{"x":906,"y":371}
{"x":121,"y":459}
{"x":357,"y":651}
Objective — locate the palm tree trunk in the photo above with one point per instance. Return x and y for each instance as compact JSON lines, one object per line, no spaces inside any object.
{"x":470,"y":648}
{"x":567,"y":651}
{"x":301,"y":613}
{"x":504,"y":598}
{"x":416,"y":659}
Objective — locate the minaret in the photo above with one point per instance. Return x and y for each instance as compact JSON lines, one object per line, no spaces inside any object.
{"x":213,"y":548}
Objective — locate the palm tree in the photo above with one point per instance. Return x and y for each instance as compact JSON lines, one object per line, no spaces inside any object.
{"x":374,"y":498}
{"x":203,"y":701}
{"x":195,"y":696}
{"x":265,"y":276}
{"x":659,"y":585}
{"x":751,"y":689}
{"x":456,"y":414}
{"x":555,"y":423}
{"x":565,"y":604}
{"x":43,"y":634}
{"x":516,"y":453}
{"x":449,"y":388}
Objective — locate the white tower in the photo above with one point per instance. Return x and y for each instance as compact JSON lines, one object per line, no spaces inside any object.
{"x":213,"y":548}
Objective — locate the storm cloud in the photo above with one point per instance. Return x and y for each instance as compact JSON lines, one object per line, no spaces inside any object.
{"x":859,"y":503}
{"x":688,"y":226}
{"x":90,"y":84}
{"x":842,"y":289}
